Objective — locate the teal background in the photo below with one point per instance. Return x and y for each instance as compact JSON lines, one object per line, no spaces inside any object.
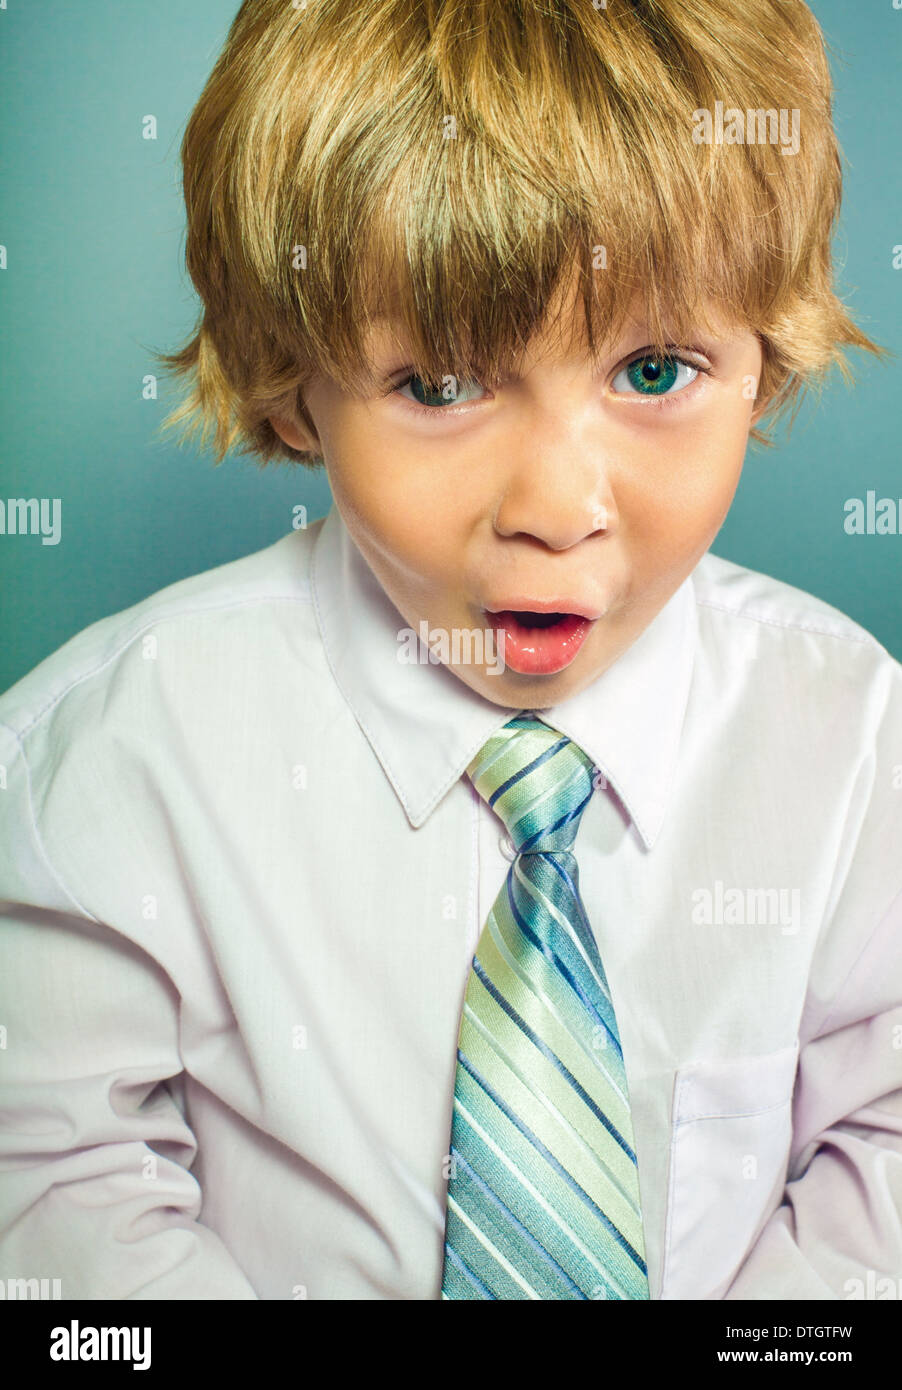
{"x":93,"y":222}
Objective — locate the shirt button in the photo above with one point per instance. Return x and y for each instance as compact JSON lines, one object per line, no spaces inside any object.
{"x":506,"y":845}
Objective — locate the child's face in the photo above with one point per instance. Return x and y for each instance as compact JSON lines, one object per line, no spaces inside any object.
{"x":567,"y":486}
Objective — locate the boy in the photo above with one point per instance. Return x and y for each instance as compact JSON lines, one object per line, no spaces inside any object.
{"x":560,"y":960}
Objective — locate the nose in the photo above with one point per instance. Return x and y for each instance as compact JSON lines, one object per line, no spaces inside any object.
{"x":557,"y":489}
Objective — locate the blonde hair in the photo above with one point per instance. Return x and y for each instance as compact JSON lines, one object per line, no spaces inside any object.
{"x":451,"y":161}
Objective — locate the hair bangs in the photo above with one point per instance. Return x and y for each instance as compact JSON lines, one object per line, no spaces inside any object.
{"x":460,"y":170}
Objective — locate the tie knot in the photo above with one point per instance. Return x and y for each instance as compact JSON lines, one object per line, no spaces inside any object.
{"x":538,"y":780}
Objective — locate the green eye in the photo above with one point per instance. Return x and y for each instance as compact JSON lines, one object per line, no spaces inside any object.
{"x":449,"y":391}
{"x":655,"y":376}
{"x":425,"y":392}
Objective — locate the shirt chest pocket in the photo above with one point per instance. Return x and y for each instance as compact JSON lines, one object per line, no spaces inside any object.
{"x":729,"y":1150}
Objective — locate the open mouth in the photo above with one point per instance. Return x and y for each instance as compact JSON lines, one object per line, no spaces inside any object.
{"x":527,"y":619}
{"x":539,"y":644}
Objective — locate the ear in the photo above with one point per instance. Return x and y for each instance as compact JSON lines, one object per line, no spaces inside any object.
{"x":295,"y":433}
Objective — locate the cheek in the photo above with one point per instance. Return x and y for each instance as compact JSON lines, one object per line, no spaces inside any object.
{"x":364,"y":482}
{"x":399,"y":527}
{"x":402,"y":498}
{"x":676,"y":506}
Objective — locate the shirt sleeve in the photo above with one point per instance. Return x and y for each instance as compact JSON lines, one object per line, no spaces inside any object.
{"x":838,"y":1231}
{"x":95,"y":1152}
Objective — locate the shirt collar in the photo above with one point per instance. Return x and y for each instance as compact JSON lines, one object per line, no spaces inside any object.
{"x":424,"y":725}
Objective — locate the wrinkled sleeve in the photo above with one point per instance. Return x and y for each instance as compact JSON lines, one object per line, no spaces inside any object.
{"x":95,"y":1152}
{"x":838,"y":1231}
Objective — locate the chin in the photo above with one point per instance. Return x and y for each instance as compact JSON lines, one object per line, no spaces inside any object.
{"x":514,"y":691}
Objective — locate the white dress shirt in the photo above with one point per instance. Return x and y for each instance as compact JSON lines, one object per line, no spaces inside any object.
{"x":245,"y":877}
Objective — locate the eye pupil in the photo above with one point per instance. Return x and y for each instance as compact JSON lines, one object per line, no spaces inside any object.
{"x":427,"y":393}
{"x":653,"y":375}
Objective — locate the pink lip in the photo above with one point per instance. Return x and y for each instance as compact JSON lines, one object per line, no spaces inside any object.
{"x":534,"y":651}
{"x":522,"y":604}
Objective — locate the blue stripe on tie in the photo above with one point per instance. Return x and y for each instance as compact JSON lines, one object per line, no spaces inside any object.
{"x":467,"y":1272}
{"x":510,"y":1166}
{"x":551,"y":1160}
{"x":508,"y":1214}
{"x":540,"y":834}
{"x":569,"y":905}
{"x":587,"y":935}
{"x":546,"y":1051}
{"x":555,"y":960}
{"x":536,"y":762}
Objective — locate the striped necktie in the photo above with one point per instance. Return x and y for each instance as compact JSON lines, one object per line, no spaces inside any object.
{"x":543,"y":1193}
